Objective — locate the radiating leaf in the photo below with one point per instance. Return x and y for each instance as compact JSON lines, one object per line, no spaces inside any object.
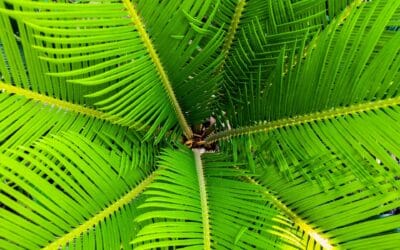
{"x":67,"y":191}
{"x":177,"y":198}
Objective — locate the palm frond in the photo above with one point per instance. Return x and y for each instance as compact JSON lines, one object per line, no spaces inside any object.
{"x":95,"y":45}
{"x":99,"y":99}
{"x":188,"y":47}
{"x":324,"y":153}
{"x":351,"y":62}
{"x":24,"y":120}
{"x":326,"y":121}
{"x":326,"y":148}
{"x":66,"y":191}
{"x":351,"y":214}
{"x":198,"y":202}
{"x":260,"y":29}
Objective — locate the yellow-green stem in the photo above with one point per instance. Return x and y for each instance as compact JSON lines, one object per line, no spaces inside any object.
{"x":8,"y":88}
{"x":203,"y":199}
{"x":230,"y":36}
{"x":157,"y":62}
{"x":293,"y":121}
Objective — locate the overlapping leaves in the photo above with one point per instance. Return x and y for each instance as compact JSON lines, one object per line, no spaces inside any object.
{"x":237,"y":214}
{"x":350,"y":62}
{"x":93,"y":45}
{"x":312,"y":96}
{"x":325,"y":151}
{"x":346,"y":211}
{"x":66,"y":191}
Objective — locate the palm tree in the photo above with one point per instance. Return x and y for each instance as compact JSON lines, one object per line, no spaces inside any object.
{"x":214,"y":124}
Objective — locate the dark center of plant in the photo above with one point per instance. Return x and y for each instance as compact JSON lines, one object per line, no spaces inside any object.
{"x":200,"y":133}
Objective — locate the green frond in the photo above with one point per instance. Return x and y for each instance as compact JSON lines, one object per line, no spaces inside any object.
{"x":348,"y":212}
{"x":234,"y":25}
{"x":188,"y":43}
{"x":323,"y":149}
{"x":214,"y":124}
{"x":46,"y":100}
{"x":264,"y":27}
{"x":340,"y":175}
{"x":96,"y":46}
{"x":349,"y":63}
{"x":367,"y":92}
{"x":203,"y":198}
{"x":190,"y":192}
{"x":66,"y":191}
{"x":23,"y":121}
{"x":352,"y":110}
{"x":310,"y":238}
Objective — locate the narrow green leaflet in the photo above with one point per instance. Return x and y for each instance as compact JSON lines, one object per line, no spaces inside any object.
{"x":189,"y":49}
{"x":66,"y":191}
{"x":259,"y":30}
{"x":214,"y":124}
{"x":23,"y":121}
{"x":98,"y":51}
{"x":352,"y":61}
{"x":201,"y":204}
{"x":351,"y":214}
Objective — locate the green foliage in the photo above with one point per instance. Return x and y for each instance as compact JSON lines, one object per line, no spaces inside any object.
{"x":101,"y":101}
{"x":61,"y":182}
{"x":236,"y":209}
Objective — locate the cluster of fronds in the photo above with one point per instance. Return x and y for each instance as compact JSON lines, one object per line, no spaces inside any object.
{"x":99,"y":100}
